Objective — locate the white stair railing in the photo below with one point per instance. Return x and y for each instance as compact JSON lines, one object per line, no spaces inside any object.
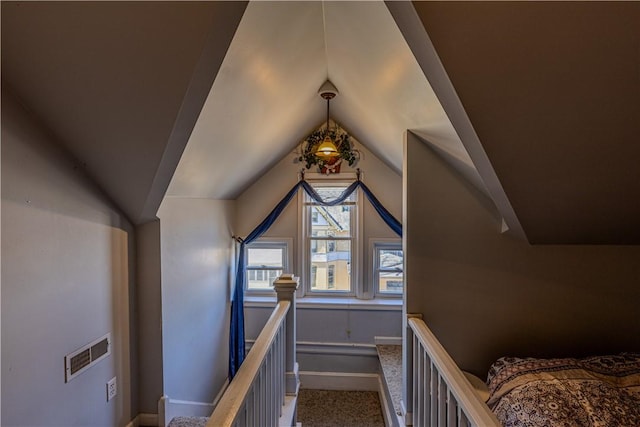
{"x":441,"y":395}
{"x":256,"y":396}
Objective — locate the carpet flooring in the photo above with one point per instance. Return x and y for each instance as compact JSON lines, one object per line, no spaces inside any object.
{"x":325,"y":408}
{"x":188,"y":422}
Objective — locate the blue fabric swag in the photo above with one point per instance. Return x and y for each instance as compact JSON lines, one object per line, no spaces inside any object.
{"x":236,"y":336}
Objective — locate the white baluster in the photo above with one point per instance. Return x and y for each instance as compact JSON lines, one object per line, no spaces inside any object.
{"x":426,"y":395}
{"x":433,"y":392}
{"x":418,"y":380}
{"x":442,"y":402}
{"x":452,"y":408}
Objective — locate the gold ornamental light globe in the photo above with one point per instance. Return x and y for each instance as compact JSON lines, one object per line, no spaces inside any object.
{"x":327,"y":149}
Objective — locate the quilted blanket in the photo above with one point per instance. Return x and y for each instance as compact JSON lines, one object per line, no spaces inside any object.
{"x":595,"y":391}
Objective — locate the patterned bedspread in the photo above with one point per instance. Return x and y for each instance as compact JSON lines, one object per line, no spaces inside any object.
{"x":594,"y":391}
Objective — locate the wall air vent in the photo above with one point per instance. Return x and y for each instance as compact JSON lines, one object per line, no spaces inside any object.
{"x":83,"y":358}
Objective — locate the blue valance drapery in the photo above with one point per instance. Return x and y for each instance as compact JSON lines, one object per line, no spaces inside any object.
{"x":236,"y":337}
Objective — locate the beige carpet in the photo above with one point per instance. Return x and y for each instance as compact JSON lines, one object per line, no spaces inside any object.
{"x":323,"y":408}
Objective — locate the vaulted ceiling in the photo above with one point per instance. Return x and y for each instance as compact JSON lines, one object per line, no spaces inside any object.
{"x":536,"y":104}
{"x":265,"y":99}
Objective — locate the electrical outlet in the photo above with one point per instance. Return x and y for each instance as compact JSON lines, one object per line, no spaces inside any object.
{"x":112,"y":388}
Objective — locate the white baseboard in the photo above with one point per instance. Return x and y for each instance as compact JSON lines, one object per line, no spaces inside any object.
{"x":407,"y":417}
{"x":288,"y":411}
{"x":338,"y":381}
{"x":384,"y":403}
{"x":388,"y":340}
{"x":144,"y":420}
{"x":185,"y":408}
{"x":147,"y":419}
{"x":162,"y":412}
{"x":170,"y":408}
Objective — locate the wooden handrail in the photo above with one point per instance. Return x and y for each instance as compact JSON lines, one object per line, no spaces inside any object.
{"x":228,"y":408}
{"x":472,"y":405}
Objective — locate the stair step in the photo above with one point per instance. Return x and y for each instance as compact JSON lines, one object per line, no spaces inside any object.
{"x":391,"y":361}
{"x":188,"y":422}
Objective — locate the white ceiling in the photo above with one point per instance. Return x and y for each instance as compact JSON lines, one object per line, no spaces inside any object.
{"x":264,"y":100}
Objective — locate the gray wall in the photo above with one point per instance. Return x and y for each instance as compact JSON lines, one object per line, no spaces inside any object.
{"x":486,"y":295}
{"x":149,"y":315}
{"x":335,"y":339}
{"x":196,"y":248}
{"x":67,"y":254}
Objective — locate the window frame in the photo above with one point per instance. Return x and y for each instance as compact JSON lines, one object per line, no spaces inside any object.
{"x":305,"y":225}
{"x":375,"y":247}
{"x":284,"y":243}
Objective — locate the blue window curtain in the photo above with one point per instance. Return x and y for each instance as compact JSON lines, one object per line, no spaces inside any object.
{"x":386,"y":216}
{"x":236,"y":336}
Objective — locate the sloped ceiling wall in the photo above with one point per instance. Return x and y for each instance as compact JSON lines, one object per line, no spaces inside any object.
{"x":265,"y":101}
{"x":552,"y":90}
{"x":120,"y":84}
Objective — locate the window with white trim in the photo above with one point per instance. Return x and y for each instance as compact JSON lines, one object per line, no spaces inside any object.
{"x":388,"y":273}
{"x":266,"y":259}
{"x":330,"y":236}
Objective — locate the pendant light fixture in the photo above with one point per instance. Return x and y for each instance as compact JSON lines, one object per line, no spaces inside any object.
{"x":327,"y":148}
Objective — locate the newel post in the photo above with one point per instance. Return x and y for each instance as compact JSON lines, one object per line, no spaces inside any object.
{"x":285,"y":287}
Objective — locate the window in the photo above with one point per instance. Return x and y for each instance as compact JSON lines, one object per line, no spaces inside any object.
{"x":330,"y":234}
{"x":388,"y":268}
{"x":267,"y":259}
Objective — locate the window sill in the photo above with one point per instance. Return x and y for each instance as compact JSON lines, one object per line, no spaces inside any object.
{"x":381,"y":304}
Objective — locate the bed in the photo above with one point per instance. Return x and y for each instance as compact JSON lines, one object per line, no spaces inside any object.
{"x":601,"y":391}
{"x":594,"y":391}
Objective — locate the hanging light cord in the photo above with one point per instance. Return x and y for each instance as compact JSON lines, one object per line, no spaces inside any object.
{"x":326,"y":131}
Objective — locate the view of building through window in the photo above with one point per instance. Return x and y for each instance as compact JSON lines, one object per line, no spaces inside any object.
{"x":330,"y":241}
{"x":331,"y":234}
{"x":265,"y":263}
{"x":390,"y":274}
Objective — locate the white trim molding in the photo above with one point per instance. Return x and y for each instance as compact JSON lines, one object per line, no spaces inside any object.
{"x":169,"y":408}
{"x":330,"y":348}
{"x":406,"y":417}
{"x":336,"y":348}
{"x":147,"y":420}
{"x":329,"y":303}
{"x":172,"y":408}
{"x":338,"y":381}
{"x":387,"y":340}
{"x":384,"y":403}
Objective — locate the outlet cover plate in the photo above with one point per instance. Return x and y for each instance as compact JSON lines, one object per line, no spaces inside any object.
{"x":112,"y":389}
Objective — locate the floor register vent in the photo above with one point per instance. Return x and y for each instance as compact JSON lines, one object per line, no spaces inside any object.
{"x":83,"y":358}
